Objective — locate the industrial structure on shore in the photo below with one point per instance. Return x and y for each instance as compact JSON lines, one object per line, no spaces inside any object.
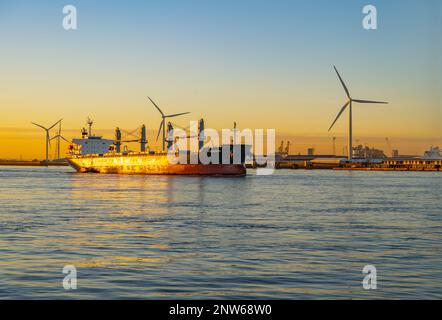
{"x":430,"y":161}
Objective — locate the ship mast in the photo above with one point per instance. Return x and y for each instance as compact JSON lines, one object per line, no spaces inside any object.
{"x":90,"y":122}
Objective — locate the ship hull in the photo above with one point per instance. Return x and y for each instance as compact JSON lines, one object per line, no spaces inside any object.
{"x":148,"y":164}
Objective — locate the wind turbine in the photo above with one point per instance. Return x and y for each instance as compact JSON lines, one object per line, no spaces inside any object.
{"x":47,"y":137}
{"x":58,"y":137}
{"x":350,"y":105}
{"x":163,"y":121}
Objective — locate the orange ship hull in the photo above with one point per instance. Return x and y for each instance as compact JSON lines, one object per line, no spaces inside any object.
{"x":150,"y":164}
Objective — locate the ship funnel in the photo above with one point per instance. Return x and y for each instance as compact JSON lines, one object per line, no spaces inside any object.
{"x":118,"y":140}
{"x":201,"y":137}
{"x":143,"y":140}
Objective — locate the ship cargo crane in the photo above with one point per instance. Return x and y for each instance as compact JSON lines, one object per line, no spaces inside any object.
{"x":137,"y":135}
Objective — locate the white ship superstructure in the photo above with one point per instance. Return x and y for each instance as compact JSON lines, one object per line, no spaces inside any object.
{"x":91,"y":144}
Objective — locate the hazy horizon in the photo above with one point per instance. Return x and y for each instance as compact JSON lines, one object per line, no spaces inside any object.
{"x":32,"y":142}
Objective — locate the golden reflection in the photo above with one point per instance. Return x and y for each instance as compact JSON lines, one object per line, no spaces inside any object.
{"x":119,"y":261}
{"x":111,"y":190}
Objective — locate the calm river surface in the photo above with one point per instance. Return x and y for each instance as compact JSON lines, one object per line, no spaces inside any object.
{"x":292,"y":235}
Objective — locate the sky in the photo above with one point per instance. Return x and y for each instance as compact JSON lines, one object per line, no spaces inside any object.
{"x":264,"y":64}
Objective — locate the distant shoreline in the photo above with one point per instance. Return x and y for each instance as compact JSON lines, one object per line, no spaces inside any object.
{"x":26,"y":163}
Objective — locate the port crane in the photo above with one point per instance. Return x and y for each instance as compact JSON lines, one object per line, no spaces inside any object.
{"x":281,"y":147}
{"x":287,"y":148}
{"x":390,"y":149}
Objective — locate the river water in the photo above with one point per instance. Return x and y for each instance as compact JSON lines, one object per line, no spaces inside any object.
{"x":292,"y":235}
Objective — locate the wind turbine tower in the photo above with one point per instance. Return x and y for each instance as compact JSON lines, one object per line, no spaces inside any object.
{"x":59,"y":137}
{"x":58,"y":140}
{"x":349,"y":104}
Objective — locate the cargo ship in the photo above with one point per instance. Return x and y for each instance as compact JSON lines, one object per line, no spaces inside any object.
{"x":150,"y":164}
{"x":94,"y":154}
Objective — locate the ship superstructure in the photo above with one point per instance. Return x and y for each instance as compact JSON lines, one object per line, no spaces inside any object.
{"x":91,"y":144}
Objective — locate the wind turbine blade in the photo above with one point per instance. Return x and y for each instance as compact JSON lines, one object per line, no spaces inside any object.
{"x":343,"y":84}
{"x":368,"y":101}
{"x":55,"y":124}
{"x":178,"y":126}
{"x":159,"y":130}
{"x":53,"y":138}
{"x":176,"y":115}
{"x":339,"y":114}
{"x":35,"y":124}
{"x":65,"y":139}
{"x":156,"y":106}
